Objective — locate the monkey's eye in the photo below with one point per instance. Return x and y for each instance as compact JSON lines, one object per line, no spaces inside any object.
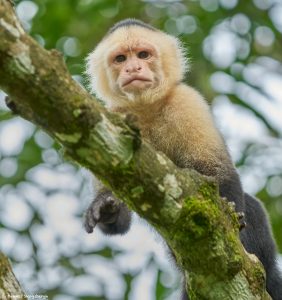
{"x":143,"y":54}
{"x":120,"y":58}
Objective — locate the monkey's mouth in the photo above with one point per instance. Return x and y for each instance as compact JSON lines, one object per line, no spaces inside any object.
{"x":137,"y":78}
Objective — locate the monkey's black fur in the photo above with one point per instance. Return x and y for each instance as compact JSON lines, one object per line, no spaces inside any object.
{"x":130,"y":22}
{"x":257,"y":239}
{"x":113,"y":217}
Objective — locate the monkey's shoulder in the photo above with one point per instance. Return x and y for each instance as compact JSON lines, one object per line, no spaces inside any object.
{"x":185,"y":97}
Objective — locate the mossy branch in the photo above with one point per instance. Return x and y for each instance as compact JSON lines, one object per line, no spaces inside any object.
{"x":182,"y":205}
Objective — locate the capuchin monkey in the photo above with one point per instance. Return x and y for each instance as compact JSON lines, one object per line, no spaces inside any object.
{"x":138,"y":70}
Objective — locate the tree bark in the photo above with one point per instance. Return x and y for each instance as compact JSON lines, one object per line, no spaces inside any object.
{"x":9,"y":286}
{"x":200,"y":228}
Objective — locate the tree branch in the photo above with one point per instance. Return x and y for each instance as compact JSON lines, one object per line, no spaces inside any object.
{"x":9,"y":286}
{"x":185,"y":208}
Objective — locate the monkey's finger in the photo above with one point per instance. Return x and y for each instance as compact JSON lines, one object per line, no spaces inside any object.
{"x":242,"y":225}
{"x":88,"y":228}
{"x":241,"y":219}
{"x":89,"y":222}
{"x":111,"y":205}
{"x":241,"y":215}
{"x":95,"y":213}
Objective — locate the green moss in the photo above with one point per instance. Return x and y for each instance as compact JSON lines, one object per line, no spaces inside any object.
{"x":145,"y":207}
{"x":195,"y":225}
{"x":69,"y":138}
{"x":83,"y":151}
{"x":77,"y":112}
{"x":198,"y":233}
{"x":237,"y":288}
{"x":209,"y":190}
{"x":201,"y":215}
{"x":137,"y":191}
{"x":256,"y":275}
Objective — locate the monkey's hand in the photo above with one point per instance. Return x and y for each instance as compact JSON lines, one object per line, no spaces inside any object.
{"x":111,"y":215}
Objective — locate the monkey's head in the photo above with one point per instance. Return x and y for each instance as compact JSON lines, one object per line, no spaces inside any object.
{"x":135,"y":64}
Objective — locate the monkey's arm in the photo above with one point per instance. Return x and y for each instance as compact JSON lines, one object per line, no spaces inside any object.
{"x":111,"y":215}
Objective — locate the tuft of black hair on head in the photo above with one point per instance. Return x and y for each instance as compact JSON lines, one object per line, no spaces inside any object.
{"x":130,"y":22}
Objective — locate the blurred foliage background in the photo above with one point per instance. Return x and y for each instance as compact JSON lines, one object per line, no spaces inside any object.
{"x":235,"y":50}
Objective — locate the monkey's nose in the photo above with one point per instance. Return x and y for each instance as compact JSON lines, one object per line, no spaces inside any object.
{"x":133,"y":68}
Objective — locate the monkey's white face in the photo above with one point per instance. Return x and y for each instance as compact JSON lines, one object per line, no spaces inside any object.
{"x":133,"y":67}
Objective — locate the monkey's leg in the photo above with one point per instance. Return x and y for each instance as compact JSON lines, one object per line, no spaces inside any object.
{"x":111,"y":215}
{"x":231,"y":189}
